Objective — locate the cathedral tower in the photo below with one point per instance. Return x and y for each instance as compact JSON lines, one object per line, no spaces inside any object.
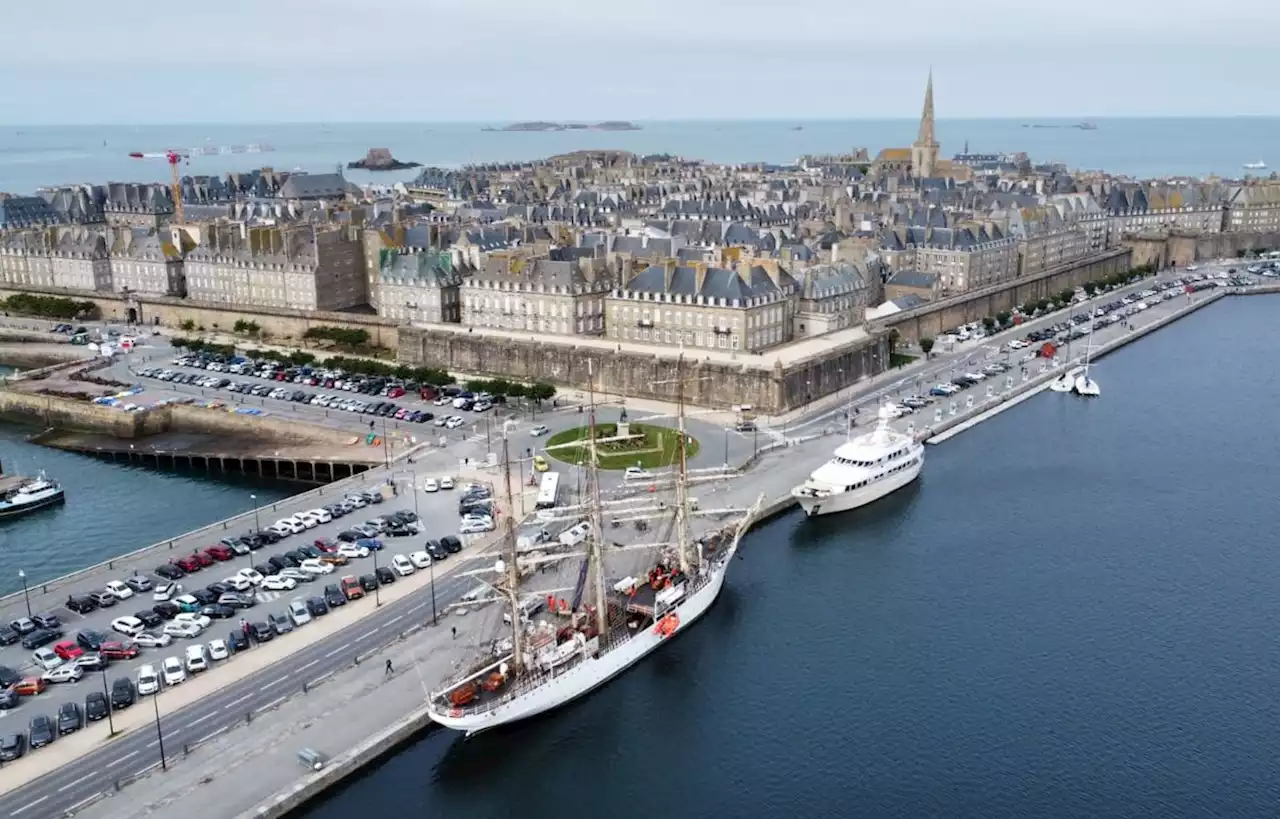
{"x":924,"y":151}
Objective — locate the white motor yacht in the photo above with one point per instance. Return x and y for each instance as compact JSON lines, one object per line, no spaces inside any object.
{"x":862,"y":470}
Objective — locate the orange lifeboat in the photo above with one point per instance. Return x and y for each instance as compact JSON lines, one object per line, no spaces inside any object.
{"x":494,"y":681}
{"x":463,"y":694}
{"x":667,"y":625}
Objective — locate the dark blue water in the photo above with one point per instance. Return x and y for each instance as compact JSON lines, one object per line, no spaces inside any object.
{"x":111,"y":509}
{"x":1074,"y":613}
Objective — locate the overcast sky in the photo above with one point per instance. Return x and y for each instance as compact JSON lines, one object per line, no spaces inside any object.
{"x":142,"y":61}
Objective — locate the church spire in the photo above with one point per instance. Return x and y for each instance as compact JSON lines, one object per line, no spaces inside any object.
{"x":925,"y":136}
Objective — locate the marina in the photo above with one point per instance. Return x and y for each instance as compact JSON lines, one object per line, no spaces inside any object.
{"x":781,"y":462}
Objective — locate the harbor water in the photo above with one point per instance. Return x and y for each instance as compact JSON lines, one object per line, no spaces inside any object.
{"x":1072,"y":613}
{"x":111,"y":509}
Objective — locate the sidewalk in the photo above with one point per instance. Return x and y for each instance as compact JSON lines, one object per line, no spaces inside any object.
{"x":236,"y":770}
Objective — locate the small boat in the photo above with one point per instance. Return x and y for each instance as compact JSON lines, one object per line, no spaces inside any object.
{"x":29,"y":495}
{"x":1085,"y":385}
{"x":1256,"y":166}
{"x":1064,"y":383}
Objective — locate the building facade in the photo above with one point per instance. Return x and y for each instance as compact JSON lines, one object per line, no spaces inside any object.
{"x":539,"y":295}
{"x":419,"y":286}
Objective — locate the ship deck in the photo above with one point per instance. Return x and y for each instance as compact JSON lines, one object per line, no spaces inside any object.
{"x":10,"y":482}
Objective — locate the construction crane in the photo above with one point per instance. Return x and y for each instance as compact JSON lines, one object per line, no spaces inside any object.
{"x":174,"y":157}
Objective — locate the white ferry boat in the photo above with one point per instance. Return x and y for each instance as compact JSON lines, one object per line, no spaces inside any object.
{"x":863,"y":469}
{"x":28,"y":496}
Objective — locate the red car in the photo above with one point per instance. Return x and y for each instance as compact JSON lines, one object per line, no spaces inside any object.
{"x":324,"y":544}
{"x":219,"y":553}
{"x":395,"y":392}
{"x":189,"y":563}
{"x":30,"y":687}
{"x":68,"y":650}
{"x":118,"y":650}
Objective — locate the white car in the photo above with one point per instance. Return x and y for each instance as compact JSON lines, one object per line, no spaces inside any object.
{"x":128,"y":626}
{"x":442,"y":420}
{"x":166,"y":591}
{"x":430,"y":485}
{"x":351,"y":550}
{"x":454,"y":422}
{"x":276,"y":582}
{"x":420,"y":559}
{"x":238,"y":582}
{"x":290,"y":525}
{"x":252,"y":575}
{"x":148,"y":681}
{"x":181,"y":629}
{"x":296,"y":574}
{"x":313,"y":567}
{"x":68,"y":673}
{"x":201,"y":621}
{"x":446,"y":482}
{"x":218,"y":650}
{"x":119,"y":590}
{"x":402,"y":565}
{"x":298,"y":612}
{"x":538,"y":429}
{"x":308,"y":520}
{"x":46,"y":658}
{"x":187,"y":602}
{"x":634,"y":473}
{"x":280,"y":529}
{"x":321,"y":515}
{"x":148,"y":640}
{"x":197,"y":659}
{"x":173,"y":670}
{"x":474,"y":526}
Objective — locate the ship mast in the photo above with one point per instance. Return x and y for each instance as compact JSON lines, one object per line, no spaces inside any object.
{"x":596,"y":551}
{"x":513,"y":571}
{"x":682,"y":480}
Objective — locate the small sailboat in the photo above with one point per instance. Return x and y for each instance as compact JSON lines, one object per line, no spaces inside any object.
{"x":1085,"y":385}
{"x":1065,"y":382}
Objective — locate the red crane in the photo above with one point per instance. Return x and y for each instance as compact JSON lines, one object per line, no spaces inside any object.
{"x":174,"y":157}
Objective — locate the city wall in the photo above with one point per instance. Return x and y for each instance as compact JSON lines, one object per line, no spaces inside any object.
{"x":933,"y":319}
{"x":770,"y":390}
{"x":1182,"y":249}
{"x":276,"y":324}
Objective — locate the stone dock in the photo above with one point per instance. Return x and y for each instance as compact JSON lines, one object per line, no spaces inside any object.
{"x":261,"y":756}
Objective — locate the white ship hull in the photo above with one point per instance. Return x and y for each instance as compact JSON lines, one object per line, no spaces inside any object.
{"x":588,"y":674}
{"x":25,"y":502}
{"x":845,"y":501}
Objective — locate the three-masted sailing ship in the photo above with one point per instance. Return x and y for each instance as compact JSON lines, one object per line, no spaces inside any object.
{"x":565,"y":649}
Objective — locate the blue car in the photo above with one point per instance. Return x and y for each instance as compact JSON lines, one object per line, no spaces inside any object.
{"x":370,"y":543}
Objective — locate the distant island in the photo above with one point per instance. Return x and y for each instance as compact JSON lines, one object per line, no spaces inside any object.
{"x":1079,"y":126}
{"x":566,"y":126}
{"x":380,"y":159}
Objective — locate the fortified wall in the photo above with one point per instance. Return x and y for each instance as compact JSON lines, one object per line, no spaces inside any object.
{"x":1181,"y":249}
{"x":278,"y":324}
{"x":935,"y":318}
{"x":759,"y":381}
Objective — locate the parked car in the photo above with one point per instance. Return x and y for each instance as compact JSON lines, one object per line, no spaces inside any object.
{"x":119,"y":650}
{"x":40,"y":637}
{"x":451,"y":544}
{"x":119,"y":589}
{"x":30,"y":686}
{"x":351,"y":587}
{"x":96,"y":706}
{"x":218,"y":650}
{"x":123,"y":693}
{"x":333,"y":596}
{"x":81,"y":604}
{"x":13,"y":746}
{"x":384,"y":575}
{"x":128,"y":626}
{"x":261,"y":632}
{"x":68,"y":649}
{"x":67,"y":673}
{"x":317,"y":606}
{"x":237,"y":641}
{"x":280,"y":623}
{"x":42,"y":731}
{"x":170,"y":571}
{"x":138,"y":582}
{"x":70,"y":718}
{"x":197,"y":659}
{"x":91,"y":639}
{"x":402,"y":565}
{"x":8,"y":636}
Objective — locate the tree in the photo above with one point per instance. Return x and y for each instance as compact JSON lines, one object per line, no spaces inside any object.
{"x":542,"y":392}
{"x":1029,"y":307}
{"x":1090,"y":288}
{"x":894,"y":336}
{"x":1004,"y":317}
{"x":926,"y":346}
{"x":187,"y":325}
{"x":1066,"y":295}
{"x":1042,"y":305}
{"x":988,"y":323}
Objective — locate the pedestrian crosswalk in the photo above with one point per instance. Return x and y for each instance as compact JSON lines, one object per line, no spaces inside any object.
{"x":265,"y":596}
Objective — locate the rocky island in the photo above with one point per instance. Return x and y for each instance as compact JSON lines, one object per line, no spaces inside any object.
{"x":380,"y":159}
{"x":567,"y":126}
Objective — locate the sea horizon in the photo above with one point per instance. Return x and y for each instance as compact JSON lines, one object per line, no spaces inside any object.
{"x":35,"y":156}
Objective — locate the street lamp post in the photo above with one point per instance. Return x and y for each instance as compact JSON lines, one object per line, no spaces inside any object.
{"x":377,"y":584}
{"x":155,"y":700}
{"x":386,"y":453}
{"x":431,"y":568}
{"x":111,"y":725}
{"x":248,"y":556}
{"x":26,"y":594}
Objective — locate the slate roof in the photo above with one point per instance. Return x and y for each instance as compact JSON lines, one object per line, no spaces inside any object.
{"x":914,"y":278}
{"x":717,"y":283}
{"x":422,"y":268}
{"x":316,"y":186}
{"x":27,"y":211}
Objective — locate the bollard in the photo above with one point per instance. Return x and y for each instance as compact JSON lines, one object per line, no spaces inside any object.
{"x":357,"y":659}
{"x":248,"y":717}
{"x":304,"y":688}
{"x":186,"y":749}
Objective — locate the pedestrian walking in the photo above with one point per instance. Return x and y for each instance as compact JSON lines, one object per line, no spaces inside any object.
{"x":390,"y":670}
{"x":455,"y":632}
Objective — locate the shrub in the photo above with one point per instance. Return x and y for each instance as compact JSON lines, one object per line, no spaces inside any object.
{"x":339,"y":335}
{"x":30,"y":304}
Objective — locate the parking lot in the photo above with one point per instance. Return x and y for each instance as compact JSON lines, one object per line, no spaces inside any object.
{"x":428,"y":515}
